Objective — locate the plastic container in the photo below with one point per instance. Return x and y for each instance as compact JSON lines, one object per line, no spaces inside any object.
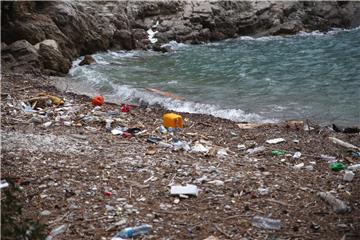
{"x":266,"y":223}
{"x":172,"y":120}
{"x":56,"y":231}
{"x":130,"y":232}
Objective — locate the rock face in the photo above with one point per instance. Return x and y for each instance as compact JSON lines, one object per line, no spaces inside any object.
{"x":21,"y":57}
{"x":84,"y":27}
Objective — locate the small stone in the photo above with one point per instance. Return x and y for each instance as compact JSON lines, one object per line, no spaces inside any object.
{"x":176,"y":201}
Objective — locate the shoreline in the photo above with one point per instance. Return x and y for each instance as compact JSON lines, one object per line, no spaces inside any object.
{"x":66,"y":170}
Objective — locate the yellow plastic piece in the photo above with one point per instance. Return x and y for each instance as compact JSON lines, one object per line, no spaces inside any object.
{"x":172,"y":120}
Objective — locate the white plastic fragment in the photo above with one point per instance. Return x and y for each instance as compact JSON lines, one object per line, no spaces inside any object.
{"x":297,"y":155}
{"x":189,"y":189}
{"x":354,"y":167}
{"x":343,"y":144}
{"x":348,"y":176}
{"x":56,"y":231}
{"x":199,"y":148}
{"x":263,"y":191}
{"x":241,"y":146}
{"x":298,"y":166}
{"x":117,"y":131}
{"x":337,"y":205}
{"x":275,"y":140}
{"x":329,"y":159}
{"x":3,"y":184}
{"x":255,"y":150}
{"x":266,"y":223}
{"x":45,"y":213}
{"x":221,"y":153}
{"x":47,"y":124}
{"x":217,"y":182}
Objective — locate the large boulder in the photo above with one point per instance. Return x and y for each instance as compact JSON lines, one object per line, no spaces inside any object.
{"x":54,"y":63}
{"x":123,"y":39}
{"x":21,"y":57}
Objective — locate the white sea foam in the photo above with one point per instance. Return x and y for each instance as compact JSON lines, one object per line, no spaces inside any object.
{"x":127,"y":93}
{"x":174,"y":45}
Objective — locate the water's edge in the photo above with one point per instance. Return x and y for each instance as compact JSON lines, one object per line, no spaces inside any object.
{"x":119,"y":92}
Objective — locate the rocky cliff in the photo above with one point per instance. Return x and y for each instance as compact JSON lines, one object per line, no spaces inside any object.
{"x":44,"y":37}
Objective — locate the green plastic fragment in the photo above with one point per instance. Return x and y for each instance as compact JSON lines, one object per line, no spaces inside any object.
{"x":337,"y":166}
{"x":278,"y":152}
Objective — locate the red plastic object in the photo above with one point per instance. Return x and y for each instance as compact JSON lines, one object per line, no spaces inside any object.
{"x":108,"y":194}
{"x":98,"y":100}
{"x":126,"y":135}
{"x":125,"y":108}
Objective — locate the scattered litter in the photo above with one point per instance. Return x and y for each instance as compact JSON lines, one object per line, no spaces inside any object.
{"x":297,"y":155}
{"x":199,"y":148}
{"x":355,"y":154}
{"x":263,"y":191}
{"x":343,"y":144}
{"x":163,"y":130}
{"x":221,"y":153}
{"x":217,"y":182}
{"x":266,"y":223}
{"x":172,"y":120}
{"x":97,"y":101}
{"x":248,"y":125}
{"x":153,"y":139}
{"x":131,"y":232}
{"x":45,"y":213}
{"x":125,"y":108}
{"x":189,"y":189}
{"x":256,"y":150}
{"x":117,"y":131}
{"x":275,"y":140}
{"x":337,"y":205}
{"x":337,"y":166}
{"x":348,"y":176}
{"x":298,"y":166}
{"x":47,"y":124}
{"x":329,"y":159}
{"x":4,"y":184}
{"x":241,"y":146}
{"x":56,"y":231}
{"x":278,"y":152}
{"x":354,"y":167}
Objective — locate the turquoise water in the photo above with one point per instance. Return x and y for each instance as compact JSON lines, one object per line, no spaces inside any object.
{"x":310,"y":75}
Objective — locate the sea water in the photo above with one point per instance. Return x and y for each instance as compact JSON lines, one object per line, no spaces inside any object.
{"x":309,"y":75}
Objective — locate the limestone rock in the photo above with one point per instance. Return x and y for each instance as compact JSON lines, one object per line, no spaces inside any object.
{"x":54,"y":62}
{"x":123,"y":39}
{"x":21,"y":56}
{"x":49,"y":42}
